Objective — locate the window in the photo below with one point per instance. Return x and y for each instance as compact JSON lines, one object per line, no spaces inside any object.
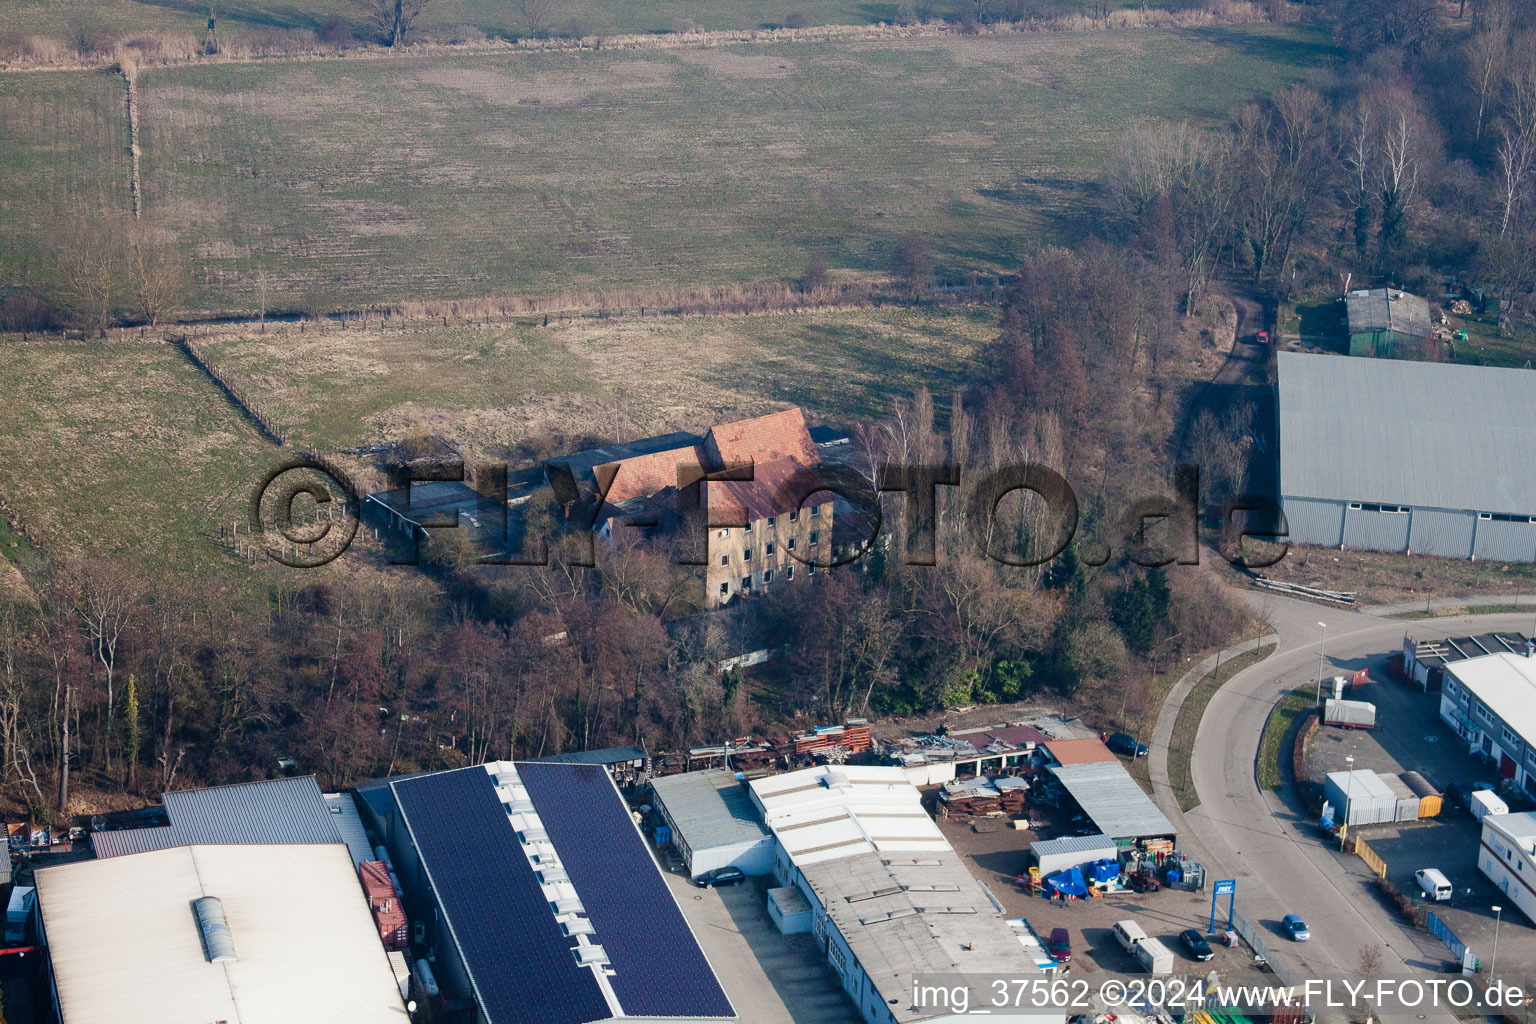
{"x":791,"y":543}
{"x":725,"y":588}
{"x":746,"y":556}
{"x":1510,"y":737}
{"x":746,"y":583}
{"x":768,"y":551}
{"x":768,"y":576}
{"x":725,"y":559}
{"x":772,"y":520}
{"x":1354,"y":506}
{"x":794,"y":514}
{"x":1450,"y":688}
{"x":747,"y":528}
{"x":815,"y":511}
{"x":810,"y":570}
{"x":1502,"y":517}
{"x":814,"y":536}
{"x":789,"y":573}
{"x":1485,"y":515}
{"x":1372,"y":506}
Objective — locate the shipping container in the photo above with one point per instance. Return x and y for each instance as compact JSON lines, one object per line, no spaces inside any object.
{"x":1349,"y":714}
{"x":1360,"y":798}
{"x":1407,"y":800}
{"x":1429,"y":797}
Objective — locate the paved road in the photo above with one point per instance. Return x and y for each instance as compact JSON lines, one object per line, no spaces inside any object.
{"x":1276,"y":855}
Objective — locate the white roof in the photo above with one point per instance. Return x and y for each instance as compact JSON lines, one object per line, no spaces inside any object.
{"x":1507,"y":684}
{"x":126,"y":948}
{"x":1520,"y":828}
{"x":836,"y":811}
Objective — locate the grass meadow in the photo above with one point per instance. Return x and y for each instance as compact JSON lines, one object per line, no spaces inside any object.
{"x":355,"y":182}
{"x":125,"y":448}
{"x":362,"y":182}
{"x":493,"y":387}
{"x":449,"y":18}
{"x":63,"y":156}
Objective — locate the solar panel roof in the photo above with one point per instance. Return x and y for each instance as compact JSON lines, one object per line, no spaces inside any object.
{"x":660,"y":971}
{"x":518,"y":959}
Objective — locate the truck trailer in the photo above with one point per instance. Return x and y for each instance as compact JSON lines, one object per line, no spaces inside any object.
{"x":1349,"y":714}
{"x":1154,"y":957}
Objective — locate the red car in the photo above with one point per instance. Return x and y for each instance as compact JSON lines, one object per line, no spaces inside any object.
{"x":1060,"y":946}
{"x":1263,"y":338}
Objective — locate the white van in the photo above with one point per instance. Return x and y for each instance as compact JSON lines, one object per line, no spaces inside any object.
{"x":1128,"y":934}
{"x":1433,"y":883}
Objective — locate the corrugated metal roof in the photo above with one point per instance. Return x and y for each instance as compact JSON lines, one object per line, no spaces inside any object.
{"x":605,"y":756}
{"x":125,"y":947}
{"x":1111,"y":798}
{"x":1433,"y":435}
{"x":344,"y":812}
{"x":1071,"y":844}
{"x":276,"y":811}
{"x":1383,"y":309}
{"x":710,"y":808}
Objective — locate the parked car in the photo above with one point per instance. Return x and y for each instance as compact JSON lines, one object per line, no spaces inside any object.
{"x":1195,"y":945}
{"x":720,"y":876}
{"x":1459,"y":794}
{"x":1060,"y":946}
{"x":1262,"y":338}
{"x":1125,"y":744}
{"x":1295,"y":927}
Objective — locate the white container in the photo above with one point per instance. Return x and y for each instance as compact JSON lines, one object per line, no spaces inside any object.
{"x":1484,"y":802}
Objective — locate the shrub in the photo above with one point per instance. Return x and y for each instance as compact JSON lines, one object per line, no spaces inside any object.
{"x":797,"y":19}
{"x":683,"y":26}
{"x":335,"y":31}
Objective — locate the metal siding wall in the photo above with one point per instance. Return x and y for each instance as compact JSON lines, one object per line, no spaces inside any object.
{"x":1506,"y":542}
{"x":1376,"y":531}
{"x":1314,"y":522}
{"x":1438,"y":531}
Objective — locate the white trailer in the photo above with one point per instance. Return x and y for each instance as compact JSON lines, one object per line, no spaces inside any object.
{"x":1154,"y":957}
{"x":1349,"y":714}
{"x":1484,"y":802}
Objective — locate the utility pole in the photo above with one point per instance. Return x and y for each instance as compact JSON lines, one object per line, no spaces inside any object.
{"x":1318,"y":696}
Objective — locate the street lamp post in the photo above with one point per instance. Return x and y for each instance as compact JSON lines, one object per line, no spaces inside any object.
{"x":1493,"y":965}
{"x":1321,"y":644}
{"x":1349,"y":796}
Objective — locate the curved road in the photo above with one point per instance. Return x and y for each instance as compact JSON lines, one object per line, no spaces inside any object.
{"x":1241,"y":832}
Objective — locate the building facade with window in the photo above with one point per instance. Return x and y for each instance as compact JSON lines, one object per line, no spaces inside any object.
{"x":1491,"y":704}
{"x":1394,"y":455}
{"x":1508,"y":857}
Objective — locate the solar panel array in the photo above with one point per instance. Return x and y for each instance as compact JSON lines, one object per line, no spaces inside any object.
{"x":518,"y":958}
{"x":660,"y":971}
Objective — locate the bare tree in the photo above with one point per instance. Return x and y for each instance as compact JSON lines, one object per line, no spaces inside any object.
{"x":157,"y":282}
{"x":92,"y":272}
{"x":394,"y":19}
{"x":538,"y":15}
{"x":1487,"y":51}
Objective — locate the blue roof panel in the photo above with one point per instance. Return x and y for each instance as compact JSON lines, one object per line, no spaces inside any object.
{"x":660,"y":971}
{"x":518,"y":959}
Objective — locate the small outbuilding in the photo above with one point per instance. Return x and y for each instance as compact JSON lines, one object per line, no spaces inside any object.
{"x":1117,"y":806}
{"x":1068,"y":852}
{"x":1386,"y":322}
{"x":713,"y":822}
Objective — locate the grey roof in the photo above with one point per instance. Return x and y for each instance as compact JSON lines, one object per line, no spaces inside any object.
{"x":710,"y":808}
{"x":1388,"y":309}
{"x":605,"y":756}
{"x":277,"y":811}
{"x":1108,"y":795}
{"x":1431,"y":435}
{"x":583,"y":463}
{"x":931,"y":917}
{"x":1071,"y":844}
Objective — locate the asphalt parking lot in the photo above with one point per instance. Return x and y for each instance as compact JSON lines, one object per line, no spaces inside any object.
{"x":995,"y":858}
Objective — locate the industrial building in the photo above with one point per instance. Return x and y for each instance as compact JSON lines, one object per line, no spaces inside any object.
{"x":539,"y":867}
{"x":713,"y":823}
{"x":1387,"y":323}
{"x":1508,"y":858}
{"x":1068,"y":852}
{"x":1393,"y":455}
{"x":886,"y":895}
{"x":191,"y":934}
{"x":1491,"y":703}
{"x":1424,"y":661}
{"x":1117,"y":806}
{"x":629,"y":766}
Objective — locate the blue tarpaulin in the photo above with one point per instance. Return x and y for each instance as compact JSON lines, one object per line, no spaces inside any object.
{"x":1068,"y":883}
{"x":1104,"y":870}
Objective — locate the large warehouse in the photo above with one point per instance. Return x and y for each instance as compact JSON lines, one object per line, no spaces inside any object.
{"x":890,"y":899}
{"x":1394,"y":455}
{"x":540,"y":865}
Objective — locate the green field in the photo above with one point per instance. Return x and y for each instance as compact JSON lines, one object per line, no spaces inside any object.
{"x":123,"y":447}
{"x":493,"y":387}
{"x":63,"y":157}
{"x":446,"y":18}
{"x":371,"y":181}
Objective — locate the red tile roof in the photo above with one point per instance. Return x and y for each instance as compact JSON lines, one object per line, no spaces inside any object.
{"x":644,"y":475}
{"x":763,"y":438}
{"x":773,"y":489}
